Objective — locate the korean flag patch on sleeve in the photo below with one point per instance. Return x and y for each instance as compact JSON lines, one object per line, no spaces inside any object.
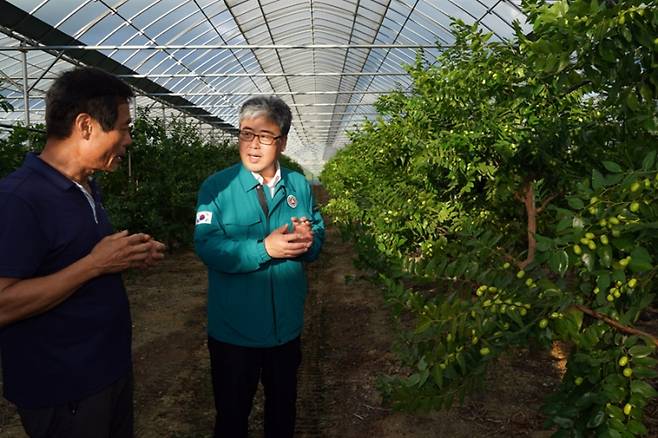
{"x":203,"y":217}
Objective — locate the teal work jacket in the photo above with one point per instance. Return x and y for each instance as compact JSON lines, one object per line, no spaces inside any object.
{"x":253,"y":299}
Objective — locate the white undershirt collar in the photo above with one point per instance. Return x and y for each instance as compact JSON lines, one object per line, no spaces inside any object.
{"x":273,"y":181}
{"x":90,"y":199}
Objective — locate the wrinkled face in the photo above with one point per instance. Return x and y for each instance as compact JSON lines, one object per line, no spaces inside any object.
{"x":256,"y":156}
{"x":108,"y":149}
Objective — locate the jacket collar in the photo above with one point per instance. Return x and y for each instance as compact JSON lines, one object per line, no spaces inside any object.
{"x":249,"y":182}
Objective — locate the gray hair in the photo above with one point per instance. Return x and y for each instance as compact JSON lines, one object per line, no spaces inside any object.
{"x":272,"y":107}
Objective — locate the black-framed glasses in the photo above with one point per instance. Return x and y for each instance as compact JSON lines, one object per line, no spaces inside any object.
{"x":264,"y":139}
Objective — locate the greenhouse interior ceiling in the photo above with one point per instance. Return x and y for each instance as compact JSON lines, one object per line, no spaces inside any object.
{"x":200,"y":59}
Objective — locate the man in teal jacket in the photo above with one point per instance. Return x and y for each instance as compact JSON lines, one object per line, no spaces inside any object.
{"x":256,"y":225}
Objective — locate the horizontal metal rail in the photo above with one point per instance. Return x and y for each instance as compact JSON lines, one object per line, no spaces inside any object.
{"x":224,"y":47}
{"x":235,"y":75}
{"x":292,"y":105}
{"x":238,"y":105}
{"x":280,"y":93}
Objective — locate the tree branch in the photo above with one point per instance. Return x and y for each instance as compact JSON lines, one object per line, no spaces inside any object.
{"x":546,"y":202}
{"x":616,"y":324}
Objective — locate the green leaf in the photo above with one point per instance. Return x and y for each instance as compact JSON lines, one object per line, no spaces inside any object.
{"x":564,"y":423}
{"x":588,"y":260}
{"x":564,"y":223}
{"x":640,"y":350}
{"x":597,"y":179}
{"x":643,"y":389}
{"x":649,"y":160}
{"x":627,"y":34}
{"x":550,"y":63}
{"x":613,"y":178}
{"x":612,"y":166}
{"x":644,"y":372}
{"x":412,"y":380}
{"x":605,"y":255}
{"x":644,"y":36}
{"x":640,"y":260}
{"x":437,"y":376}
{"x":615,"y":412}
{"x":559,"y":262}
{"x":631,"y":340}
{"x":575,"y":203}
{"x":648,"y":362}
{"x":614,"y":393}
{"x":461,"y":362}
{"x":543,"y":243}
{"x":625,"y":245}
{"x":423,"y":326}
{"x":636,"y":428}
{"x":646,"y":93}
{"x":632,"y":101}
{"x":423,"y":377}
{"x":618,"y":275}
{"x":606,"y":51}
{"x":565,"y":327}
{"x":618,"y":426}
{"x":589,"y":339}
{"x":596,"y":420}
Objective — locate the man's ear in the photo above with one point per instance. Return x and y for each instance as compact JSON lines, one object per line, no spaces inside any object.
{"x":282,"y":145}
{"x":82,"y":125}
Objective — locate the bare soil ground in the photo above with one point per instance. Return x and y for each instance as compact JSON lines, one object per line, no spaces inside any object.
{"x":346,"y":344}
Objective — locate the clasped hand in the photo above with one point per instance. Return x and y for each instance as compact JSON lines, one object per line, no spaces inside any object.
{"x":282,"y":243}
{"x":120,"y":251}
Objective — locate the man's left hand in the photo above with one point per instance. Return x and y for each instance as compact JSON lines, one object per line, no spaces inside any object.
{"x":155,"y":254}
{"x":302,"y":227}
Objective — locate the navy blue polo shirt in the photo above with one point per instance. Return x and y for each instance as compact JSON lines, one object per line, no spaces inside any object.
{"x":83,"y":344}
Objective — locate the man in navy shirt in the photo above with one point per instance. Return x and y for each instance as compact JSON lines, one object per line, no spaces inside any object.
{"x":65,"y":328}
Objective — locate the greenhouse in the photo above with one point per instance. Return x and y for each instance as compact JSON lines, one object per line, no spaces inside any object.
{"x":329,"y":60}
{"x":486,"y":171}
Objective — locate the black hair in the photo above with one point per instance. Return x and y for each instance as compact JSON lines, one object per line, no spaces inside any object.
{"x":84,"y":90}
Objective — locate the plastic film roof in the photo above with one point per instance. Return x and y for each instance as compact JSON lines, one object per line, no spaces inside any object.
{"x":200,"y":59}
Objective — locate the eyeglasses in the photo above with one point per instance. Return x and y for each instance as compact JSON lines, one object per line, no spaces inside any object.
{"x":264,"y":139}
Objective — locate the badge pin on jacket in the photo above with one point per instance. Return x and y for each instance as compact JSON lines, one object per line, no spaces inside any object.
{"x":292,"y":201}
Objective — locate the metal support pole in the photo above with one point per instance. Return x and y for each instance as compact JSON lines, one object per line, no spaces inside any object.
{"x":26,"y":90}
{"x":130,"y":160}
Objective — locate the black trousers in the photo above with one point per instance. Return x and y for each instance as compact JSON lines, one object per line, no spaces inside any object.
{"x":106,"y":414}
{"x":236,"y":371}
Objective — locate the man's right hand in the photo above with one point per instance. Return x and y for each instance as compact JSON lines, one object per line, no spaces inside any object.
{"x":22,"y":298}
{"x":120,"y":251}
{"x":281,"y":245}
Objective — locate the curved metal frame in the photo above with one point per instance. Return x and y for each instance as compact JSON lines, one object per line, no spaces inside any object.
{"x":335,"y":56}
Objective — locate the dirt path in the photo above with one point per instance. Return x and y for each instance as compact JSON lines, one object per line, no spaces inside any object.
{"x":346,"y":345}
